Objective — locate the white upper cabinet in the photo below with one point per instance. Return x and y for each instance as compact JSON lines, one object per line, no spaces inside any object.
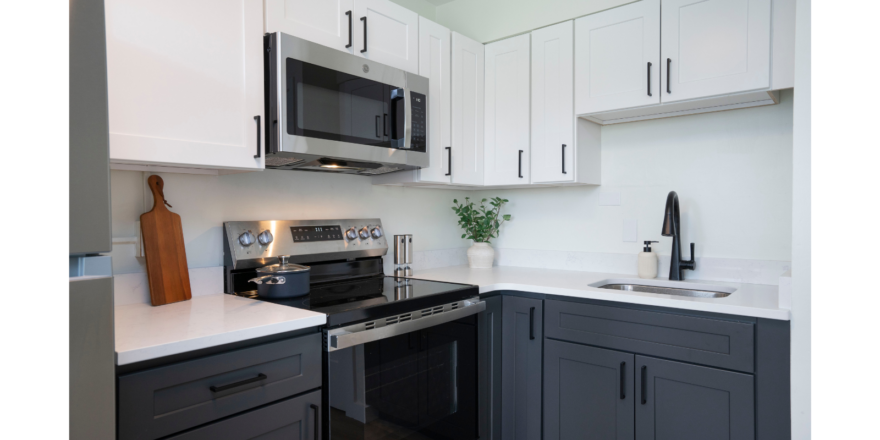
{"x":185,"y":82}
{"x":386,"y":33}
{"x":714,"y":47}
{"x":435,"y":53}
{"x":467,"y":110}
{"x":617,"y":58}
{"x":507,"y":111}
{"x":327,"y":22}
{"x":552,"y":146}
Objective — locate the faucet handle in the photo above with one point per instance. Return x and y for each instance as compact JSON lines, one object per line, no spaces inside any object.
{"x":692,"y":263}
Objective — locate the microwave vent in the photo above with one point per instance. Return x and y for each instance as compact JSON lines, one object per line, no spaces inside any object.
{"x":278,"y":162}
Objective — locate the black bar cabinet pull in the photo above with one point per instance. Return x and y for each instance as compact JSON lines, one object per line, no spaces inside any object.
{"x":385,"y":125}
{"x":364,"y":19}
{"x":668,"y":62}
{"x":563,"y":159}
{"x":649,"y":79}
{"x":449,"y":156}
{"x":257,"y":118}
{"x":622,"y":380}
{"x":315,"y":408}
{"x":520,"y":163}
{"x":531,"y":323}
{"x":644,"y":384}
{"x":259,"y":377}
{"x":377,"y":126}
{"x":348,"y":13}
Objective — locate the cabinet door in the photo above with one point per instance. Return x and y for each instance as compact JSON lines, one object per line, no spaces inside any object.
{"x":328,"y":22}
{"x":522,"y":338}
{"x":507,"y":111}
{"x":293,"y":419}
{"x":616,"y":58}
{"x":435,"y":54}
{"x":467,"y":110}
{"x":185,"y":82}
{"x":714,"y":47}
{"x":588,"y":392}
{"x":387,"y":33}
{"x":552,"y":146}
{"x":687,"y":402}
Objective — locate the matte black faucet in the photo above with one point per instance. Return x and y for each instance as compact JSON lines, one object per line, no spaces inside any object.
{"x":671,"y":221}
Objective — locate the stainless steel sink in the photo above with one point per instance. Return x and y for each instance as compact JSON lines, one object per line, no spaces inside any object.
{"x":667,"y":288}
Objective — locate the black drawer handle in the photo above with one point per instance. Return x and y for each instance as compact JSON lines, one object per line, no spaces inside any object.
{"x":563,"y":159}
{"x":668,"y":62}
{"x":315,"y":408}
{"x":259,"y":377}
{"x":348,"y":13}
{"x":257,"y":118}
{"x":622,"y":380}
{"x":520,"y":163}
{"x":364,"y":19}
{"x":644,"y":384}
{"x":532,"y":323}
{"x":449,"y":155}
{"x":649,"y":79}
{"x":377,"y":126}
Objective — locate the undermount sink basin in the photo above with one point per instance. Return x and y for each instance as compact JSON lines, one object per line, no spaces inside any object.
{"x":666,"y":288}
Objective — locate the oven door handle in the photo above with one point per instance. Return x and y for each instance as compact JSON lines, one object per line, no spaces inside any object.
{"x":340,"y":338}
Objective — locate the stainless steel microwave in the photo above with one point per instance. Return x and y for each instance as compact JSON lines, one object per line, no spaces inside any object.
{"x":332,"y":111}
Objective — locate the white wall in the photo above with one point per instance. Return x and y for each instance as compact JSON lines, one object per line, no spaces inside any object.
{"x":731,"y":170}
{"x":490,"y":20}
{"x":421,"y":7}
{"x":801,"y":263}
{"x":205,"y":202}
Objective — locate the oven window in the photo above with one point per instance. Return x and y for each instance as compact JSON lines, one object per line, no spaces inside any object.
{"x":327,"y":104}
{"x":420,"y":385}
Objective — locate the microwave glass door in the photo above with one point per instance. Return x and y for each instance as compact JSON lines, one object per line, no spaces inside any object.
{"x":419,"y":385}
{"x":328,"y":104}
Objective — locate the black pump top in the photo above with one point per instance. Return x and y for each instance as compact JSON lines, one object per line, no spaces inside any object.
{"x":648,"y":245}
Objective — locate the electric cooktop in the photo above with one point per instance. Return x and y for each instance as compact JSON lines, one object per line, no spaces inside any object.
{"x":365,"y":299}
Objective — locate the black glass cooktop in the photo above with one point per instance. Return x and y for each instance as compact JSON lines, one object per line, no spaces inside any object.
{"x":365,"y":299}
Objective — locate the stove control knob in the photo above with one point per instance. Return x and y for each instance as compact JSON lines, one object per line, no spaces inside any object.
{"x":351,"y":234}
{"x":246,"y":238}
{"x":265,"y":237}
{"x":376,"y":232}
{"x":364,"y":233}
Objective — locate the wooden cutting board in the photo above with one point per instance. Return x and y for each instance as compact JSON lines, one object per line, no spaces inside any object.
{"x":164,"y":250}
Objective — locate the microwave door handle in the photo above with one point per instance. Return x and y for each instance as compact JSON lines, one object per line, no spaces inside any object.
{"x":398,"y":124}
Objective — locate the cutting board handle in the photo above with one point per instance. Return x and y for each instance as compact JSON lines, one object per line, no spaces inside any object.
{"x":157,"y":185}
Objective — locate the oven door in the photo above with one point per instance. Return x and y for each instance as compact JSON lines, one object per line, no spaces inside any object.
{"x":421,"y":384}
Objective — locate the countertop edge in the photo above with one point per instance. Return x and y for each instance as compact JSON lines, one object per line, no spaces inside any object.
{"x":172,"y":348}
{"x":778,"y":314}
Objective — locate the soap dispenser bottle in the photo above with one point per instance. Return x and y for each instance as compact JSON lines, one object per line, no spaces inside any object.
{"x":647,"y":262}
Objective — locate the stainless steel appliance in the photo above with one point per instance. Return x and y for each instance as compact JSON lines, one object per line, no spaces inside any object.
{"x":332,"y":111}
{"x":400,"y":355}
{"x":92,"y":348}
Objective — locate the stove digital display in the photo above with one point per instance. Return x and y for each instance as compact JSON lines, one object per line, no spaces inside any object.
{"x":304,"y":234}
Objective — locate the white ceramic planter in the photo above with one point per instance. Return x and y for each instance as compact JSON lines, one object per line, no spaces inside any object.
{"x":480,"y":256}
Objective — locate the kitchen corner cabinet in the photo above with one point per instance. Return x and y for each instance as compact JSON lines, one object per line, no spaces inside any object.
{"x":467,"y":110}
{"x":521,"y":348}
{"x":322,"y":22}
{"x":435,"y":57}
{"x":617,"y":59}
{"x":714,"y":47}
{"x":507,"y":155}
{"x":185,"y":83}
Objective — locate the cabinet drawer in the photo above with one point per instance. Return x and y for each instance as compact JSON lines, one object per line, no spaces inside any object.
{"x":169,"y":399}
{"x":707,"y":341}
{"x":297,"y":418}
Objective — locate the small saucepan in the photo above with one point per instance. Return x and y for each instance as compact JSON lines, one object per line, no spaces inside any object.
{"x":282,"y":280}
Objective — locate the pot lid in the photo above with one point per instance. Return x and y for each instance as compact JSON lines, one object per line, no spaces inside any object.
{"x":283,"y":266}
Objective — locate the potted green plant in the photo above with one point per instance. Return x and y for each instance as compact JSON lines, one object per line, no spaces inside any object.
{"x":480,"y":224}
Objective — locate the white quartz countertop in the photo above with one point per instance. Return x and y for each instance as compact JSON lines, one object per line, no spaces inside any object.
{"x":145,"y":332}
{"x":755,"y":300}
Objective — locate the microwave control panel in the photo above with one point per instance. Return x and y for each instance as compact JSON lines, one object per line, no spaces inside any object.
{"x":419,"y":105}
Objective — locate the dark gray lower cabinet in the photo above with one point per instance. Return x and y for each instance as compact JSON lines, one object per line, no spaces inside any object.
{"x":292,"y":419}
{"x":588,"y":392}
{"x":489,"y":363}
{"x":680,"y":401}
{"x":522,"y":341}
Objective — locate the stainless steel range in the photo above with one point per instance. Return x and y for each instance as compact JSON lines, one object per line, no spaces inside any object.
{"x":400,"y":354}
